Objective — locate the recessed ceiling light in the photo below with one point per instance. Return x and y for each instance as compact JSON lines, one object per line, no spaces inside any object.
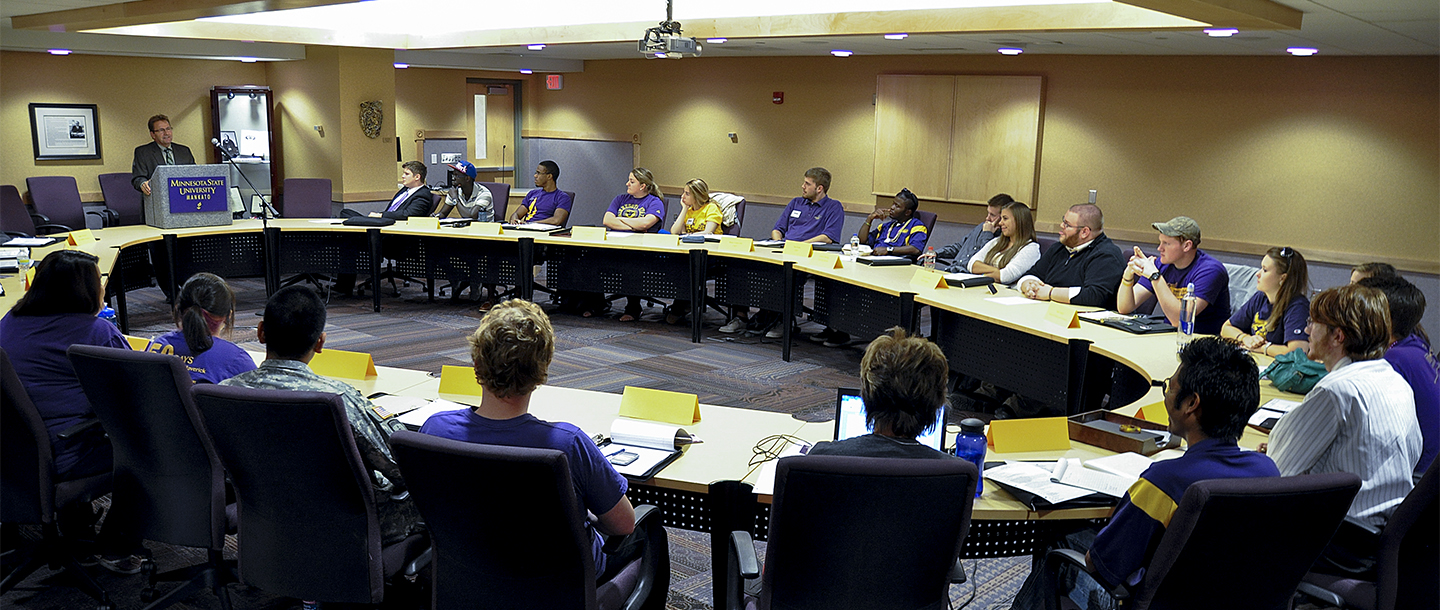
{"x":717,"y":40}
{"x":1221,"y":32}
{"x":401,"y":66}
{"x":842,"y":53}
{"x":60,"y":51}
{"x":526,"y":71}
{"x":248,"y":60}
{"x":896,"y":36}
{"x":535,"y":47}
{"x":1302,"y":51}
{"x":1011,"y":51}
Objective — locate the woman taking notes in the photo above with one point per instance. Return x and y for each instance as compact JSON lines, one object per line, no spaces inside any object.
{"x":1273,"y":321}
{"x":639,"y":209}
{"x":205,"y":307}
{"x":700,"y":215}
{"x":1007,"y":258}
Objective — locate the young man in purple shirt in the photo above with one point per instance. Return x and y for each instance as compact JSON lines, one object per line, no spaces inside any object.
{"x":511,"y":351}
{"x":1409,"y":355}
{"x":545,"y":204}
{"x":1181,"y":263}
{"x":813,"y":216}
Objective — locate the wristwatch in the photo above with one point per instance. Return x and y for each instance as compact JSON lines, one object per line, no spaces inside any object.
{"x":1154,"y":276}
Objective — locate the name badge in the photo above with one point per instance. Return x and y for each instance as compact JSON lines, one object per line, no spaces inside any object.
{"x":794,"y":213}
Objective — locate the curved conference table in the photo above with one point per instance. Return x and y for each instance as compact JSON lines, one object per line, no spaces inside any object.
{"x":1012,"y":345}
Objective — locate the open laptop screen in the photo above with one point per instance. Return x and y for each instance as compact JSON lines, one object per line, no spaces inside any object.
{"x":850,"y":420}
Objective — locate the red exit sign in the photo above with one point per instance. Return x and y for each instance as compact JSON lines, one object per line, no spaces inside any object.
{"x":553,"y":82}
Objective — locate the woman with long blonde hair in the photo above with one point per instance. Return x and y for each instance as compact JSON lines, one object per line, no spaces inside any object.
{"x":1007,"y":258}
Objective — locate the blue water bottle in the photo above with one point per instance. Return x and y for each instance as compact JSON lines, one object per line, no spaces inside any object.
{"x":108,"y":314}
{"x":970,"y":446}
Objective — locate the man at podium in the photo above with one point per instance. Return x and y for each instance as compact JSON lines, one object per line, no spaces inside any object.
{"x":163,"y":151}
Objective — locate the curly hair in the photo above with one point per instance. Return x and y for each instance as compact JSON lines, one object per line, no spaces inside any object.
{"x":512,"y":348}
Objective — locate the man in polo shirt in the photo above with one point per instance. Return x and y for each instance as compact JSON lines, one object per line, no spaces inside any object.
{"x":546,"y":203}
{"x":1182,"y":263}
{"x":1213,"y":393}
{"x":813,"y":216}
{"x":1083,"y":268}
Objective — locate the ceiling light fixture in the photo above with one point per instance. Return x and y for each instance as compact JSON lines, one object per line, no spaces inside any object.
{"x":60,"y":51}
{"x":1011,"y":51}
{"x":526,"y":71}
{"x":896,"y":36}
{"x":535,"y":47}
{"x":717,"y":40}
{"x":842,"y":53}
{"x":1302,"y":51}
{"x":248,"y":60}
{"x":401,"y":66}
{"x":1221,"y":32}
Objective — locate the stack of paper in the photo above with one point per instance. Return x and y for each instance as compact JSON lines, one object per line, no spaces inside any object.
{"x":1275,"y":409}
{"x":1070,"y":472}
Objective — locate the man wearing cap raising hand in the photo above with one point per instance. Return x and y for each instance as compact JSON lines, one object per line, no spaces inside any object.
{"x":473,"y":199}
{"x":1181,"y":264}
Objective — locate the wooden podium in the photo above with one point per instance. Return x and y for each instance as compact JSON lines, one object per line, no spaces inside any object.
{"x":183,"y":196}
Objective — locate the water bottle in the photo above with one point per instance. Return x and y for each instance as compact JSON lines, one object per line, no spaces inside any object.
{"x":970,"y":446}
{"x":23,"y":260}
{"x":855,"y":244}
{"x":108,"y":314}
{"x":929,"y":258}
{"x":1186,"y":332}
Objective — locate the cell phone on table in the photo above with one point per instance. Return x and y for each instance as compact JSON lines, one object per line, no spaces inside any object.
{"x":623,"y":458}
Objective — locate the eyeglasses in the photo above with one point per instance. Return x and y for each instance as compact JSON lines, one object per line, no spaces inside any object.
{"x":164,"y":129}
{"x":1066,"y":225}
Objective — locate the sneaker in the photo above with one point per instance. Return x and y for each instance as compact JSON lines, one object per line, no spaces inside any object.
{"x":837,"y":339}
{"x":822,"y":336}
{"x":129,"y":564}
{"x":776,"y":330}
{"x":735,"y":325}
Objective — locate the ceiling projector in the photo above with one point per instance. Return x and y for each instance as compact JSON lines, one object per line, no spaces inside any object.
{"x":665,"y":40}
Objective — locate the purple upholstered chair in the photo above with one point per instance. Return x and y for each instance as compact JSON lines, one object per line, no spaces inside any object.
{"x":122,"y":198}
{"x":57,"y":200}
{"x":927,"y":219}
{"x":500,"y":194}
{"x":15,"y":218}
{"x":306,"y":198}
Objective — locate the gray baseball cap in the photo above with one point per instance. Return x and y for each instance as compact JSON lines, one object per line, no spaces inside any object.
{"x":1183,"y":227}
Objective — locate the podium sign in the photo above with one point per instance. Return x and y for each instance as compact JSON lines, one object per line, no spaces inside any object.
{"x":183,"y":196}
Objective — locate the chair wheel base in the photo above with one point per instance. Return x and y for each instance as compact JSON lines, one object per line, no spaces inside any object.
{"x":148,"y":594}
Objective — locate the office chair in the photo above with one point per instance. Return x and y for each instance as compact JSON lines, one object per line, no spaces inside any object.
{"x":16,"y":220}
{"x":499,"y":197}
{"x":307,"y":198}
{"x":164,"y":463}
{"x":856,"y":532}
{"x":1406,"y":565}
{"x":57,"y":201}
{"x":928,"y":219}
{"x":308,"y":523}
{"x":1237,"y":544}
{"x":122,"y":199}
{"x":29,"y":493}
{"x":509,"y":530}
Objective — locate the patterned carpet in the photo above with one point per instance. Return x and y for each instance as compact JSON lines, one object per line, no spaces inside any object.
{"x":598,"y":354}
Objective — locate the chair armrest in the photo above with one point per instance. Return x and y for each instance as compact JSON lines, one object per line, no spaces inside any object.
{"x":108,"y":217}
{"x":1353,"y":522}
{"x":39,"y":218}
{"x":643,"y":514}
{"x":79,"y":428}
{"x":1353,"y":549}
{"x":1330,"y":598}
{"x":1056,"y":558}
{"x":957,"y":573}
{"x":742,"y":548}
{"x":421,"y":561}
{"x":46,"y":229}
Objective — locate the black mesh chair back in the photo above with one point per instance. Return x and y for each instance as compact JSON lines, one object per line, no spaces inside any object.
{"x":308,"y":526}
{"x":14,"y":216}
{"x":876,"y":533}
{"x":307,"y":198}
{"x":505,"y":521}
{"x":57,"y":198}
{"x":500,"y":197}
{"x":1245,"y":543}
{"x":122,"y":198}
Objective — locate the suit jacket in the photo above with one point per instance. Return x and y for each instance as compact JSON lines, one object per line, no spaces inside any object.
{"x":419,"y":204}
{"x":149,"y":156}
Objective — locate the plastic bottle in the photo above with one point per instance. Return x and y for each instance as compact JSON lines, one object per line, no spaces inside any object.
{"x":108,"y":314}
{"x":23,"y":260}
{"x":929,"y":258}
{"x":970,"y":446}
{"x":1186,"y":332}
{"x":855,"y":244}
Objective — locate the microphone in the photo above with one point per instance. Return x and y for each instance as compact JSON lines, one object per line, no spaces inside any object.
{"x":216,"y":143}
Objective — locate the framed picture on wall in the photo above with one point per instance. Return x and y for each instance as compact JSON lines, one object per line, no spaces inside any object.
{"x":65,"y":131}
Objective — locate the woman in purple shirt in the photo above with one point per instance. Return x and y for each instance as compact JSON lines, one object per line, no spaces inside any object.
{"x":205,"y":307}
{"x":1273,"y":321}
{"x":640,"y":210}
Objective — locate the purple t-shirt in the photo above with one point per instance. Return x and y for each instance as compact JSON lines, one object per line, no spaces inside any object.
{"x":37,"y":345}
{"x":896,"y":234}
{"x":600,"y":488}
{"x":625,"y":206}
{"x":222,"y":361}
{"x":802,"y":220}
{"x":1212,"y":283}
{"x":542,"y":205}
{"x":1411,"y":358}
{"x":1255,"y":312}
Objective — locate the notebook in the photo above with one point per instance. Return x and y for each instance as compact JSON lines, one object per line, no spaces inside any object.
{"x":850,"y":420}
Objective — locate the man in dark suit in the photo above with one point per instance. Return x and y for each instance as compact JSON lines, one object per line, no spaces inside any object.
{"x":163,"y":151}
{"x":413,"y":198}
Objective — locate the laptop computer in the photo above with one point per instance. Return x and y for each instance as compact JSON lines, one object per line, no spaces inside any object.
{"x":850,"y":420}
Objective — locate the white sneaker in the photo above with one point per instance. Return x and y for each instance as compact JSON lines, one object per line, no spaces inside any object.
{"x":735,"y":325}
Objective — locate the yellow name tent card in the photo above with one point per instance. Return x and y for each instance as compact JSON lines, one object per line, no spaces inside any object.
{"x":1155,"y":413}
{"x":737,"y":244}
{"x":929,"y":280}
{"x":826,"y":260}
{"x":660,"y":239}
{"x":80,"y":238}
{"x":590,"y":233}
{"x":459,"y":380}
{"x":486,"y":228}
{"x":1063,"y":315}
{"x":1036,"y":434}
{"x":136,"y":343}
{"x":343,"y":364}
{"x":676,"y":408}
{"x":423,"y":222}
{"x":801,"y":249}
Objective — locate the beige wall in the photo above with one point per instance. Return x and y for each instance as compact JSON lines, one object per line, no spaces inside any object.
{"x":435,"y":99}
{"x":305,"y":94}
{"x":1335,"y":156}
{"x":368,"y":163}
{"x":118,"y":87}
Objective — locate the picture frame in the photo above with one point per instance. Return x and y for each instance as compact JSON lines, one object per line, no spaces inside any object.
{"x":63,"y":132}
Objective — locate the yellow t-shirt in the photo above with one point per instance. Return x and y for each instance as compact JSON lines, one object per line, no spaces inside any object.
{"x":696,"y":220}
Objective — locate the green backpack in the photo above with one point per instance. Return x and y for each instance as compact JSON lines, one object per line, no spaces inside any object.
{"x":1293,"y":372}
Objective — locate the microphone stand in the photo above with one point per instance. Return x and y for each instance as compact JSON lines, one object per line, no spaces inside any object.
{"x":268,"y":210}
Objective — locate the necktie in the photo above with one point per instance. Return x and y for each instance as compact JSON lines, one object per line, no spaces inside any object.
{"x":399,"y":198}
{"x":169,"y":157}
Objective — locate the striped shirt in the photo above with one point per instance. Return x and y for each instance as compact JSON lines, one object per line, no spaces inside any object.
{"x":1359,"y":418}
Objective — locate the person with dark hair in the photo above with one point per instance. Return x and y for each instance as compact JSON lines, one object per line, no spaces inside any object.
{"x":293,"y":331}
{"x":511,"y":350}
{"x":1360,"y":417}
{"x":901,"y":233}
{"x":902,"y":381}
{"x":57,"y":312}
{"x":162,"y":151}
{"x":546,"y":203}
{"x":206,"y":307}
{"x":1409,"y":354}
{"x":1272,"y":322}
{"x":1181,"y":264}
{"x":1208,"y":400}
{"x":962,"y":251}
{"x":1083,"y":268}
{"x":413,"y":198}
{"x":469,"y":197}
{"x":1364,"y":270}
